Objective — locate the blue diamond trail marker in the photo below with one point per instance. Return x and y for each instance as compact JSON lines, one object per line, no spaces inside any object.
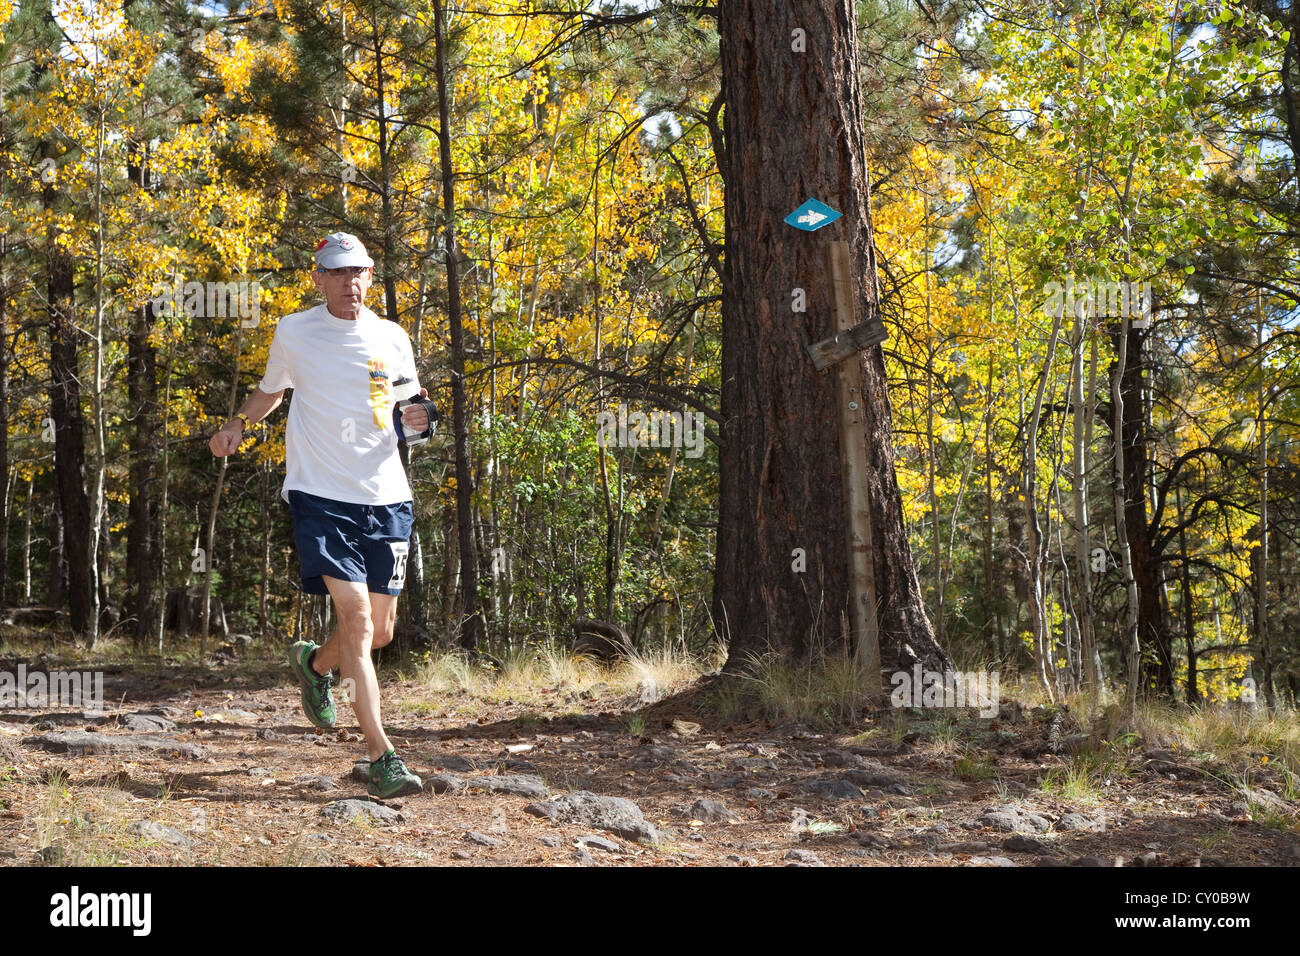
{"x":812,"y":215}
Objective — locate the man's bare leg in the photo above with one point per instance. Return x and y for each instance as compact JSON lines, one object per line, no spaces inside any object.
{"x":365,"y":621}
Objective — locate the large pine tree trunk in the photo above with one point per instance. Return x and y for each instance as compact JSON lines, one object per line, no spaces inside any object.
{"x":471,"y":631}
{"x":142,"y":509}
{"x":4,"y":423}
{"x":142,"y":546}
{"x":1153,"y":632}
{"x":793,"y":129}
{"x":5,"y":510}
{"x":69,"y":431}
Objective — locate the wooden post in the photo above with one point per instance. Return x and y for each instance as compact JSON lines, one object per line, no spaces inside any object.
{"x":851,"y":418}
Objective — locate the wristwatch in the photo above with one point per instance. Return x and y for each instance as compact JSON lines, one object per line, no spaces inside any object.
{"x":244,"y":418}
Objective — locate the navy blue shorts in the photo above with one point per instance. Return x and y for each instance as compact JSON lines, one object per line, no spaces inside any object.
{"x":362,"y":543}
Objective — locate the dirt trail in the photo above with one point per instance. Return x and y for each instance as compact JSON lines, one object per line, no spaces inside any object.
{"x":261,"y":787}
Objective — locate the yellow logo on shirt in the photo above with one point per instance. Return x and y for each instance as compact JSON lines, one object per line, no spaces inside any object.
{"x":380,"y":403}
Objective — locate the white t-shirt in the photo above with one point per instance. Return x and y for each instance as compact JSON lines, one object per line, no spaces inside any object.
{"x":339,"y":442}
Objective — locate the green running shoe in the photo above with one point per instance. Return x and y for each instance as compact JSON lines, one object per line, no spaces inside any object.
{"x":317,"y":701}
{"x":390,"y":778}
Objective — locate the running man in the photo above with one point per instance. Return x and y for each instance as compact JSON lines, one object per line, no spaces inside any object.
{"x":344,"y":481}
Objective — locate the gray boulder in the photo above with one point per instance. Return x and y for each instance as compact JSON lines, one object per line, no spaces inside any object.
{"x":345,"y":811}
{"x":710,"y":811}
{"x":1013,"y":819}
{"x":618,"y":816}
{"x":516,"y":784}
{"x":156,"y":831}
{"x":79,"y":743}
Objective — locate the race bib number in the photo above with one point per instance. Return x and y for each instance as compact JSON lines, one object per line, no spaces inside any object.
{"x":400,"y":549}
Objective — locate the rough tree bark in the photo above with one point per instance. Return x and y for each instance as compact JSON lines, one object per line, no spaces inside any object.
{"x":793,"y":129}
{"x":471,"y":630}
{"x":1153,"y":632}
{"x":4,"y":420}
{"x":69,"y":423}
{"x":5,"y":509}
{"x":142,"y":551}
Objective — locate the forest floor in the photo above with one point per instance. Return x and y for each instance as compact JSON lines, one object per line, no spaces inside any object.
{"x":209,"y":765}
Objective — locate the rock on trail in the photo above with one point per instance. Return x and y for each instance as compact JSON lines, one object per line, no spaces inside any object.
{"x":80,"y":743}
{"x":619,"y":816}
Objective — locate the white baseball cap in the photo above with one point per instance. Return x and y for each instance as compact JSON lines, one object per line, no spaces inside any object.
{"x":340,"y":249}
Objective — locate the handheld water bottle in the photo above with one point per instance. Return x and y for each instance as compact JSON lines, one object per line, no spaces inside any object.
{"x":406,"y":391}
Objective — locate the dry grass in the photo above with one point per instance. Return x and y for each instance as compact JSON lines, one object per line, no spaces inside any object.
{"x":1229,"y":733}
{"x":92,"y":823}
{"x":1234,"y":744}
{"x":536,"y":675}
{"x":826,"y":692}
{"x":1084,"y":777}
{"x":974,"y":764}
{"x":656,"y":673}
{"x":1221,"y":740}
{"x":83,"y":826}
{"x":1235,"y":734}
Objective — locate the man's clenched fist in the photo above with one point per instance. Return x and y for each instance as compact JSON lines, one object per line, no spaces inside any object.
{"x":226,"y":442}
{"x":416,"y":417}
